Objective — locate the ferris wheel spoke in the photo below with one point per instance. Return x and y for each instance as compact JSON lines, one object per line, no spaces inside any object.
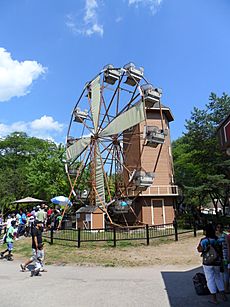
{"x":79,"y":99}
{"x":115,"y":158}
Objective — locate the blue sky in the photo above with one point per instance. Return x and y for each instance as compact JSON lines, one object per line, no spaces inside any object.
{"x":49,"y":49}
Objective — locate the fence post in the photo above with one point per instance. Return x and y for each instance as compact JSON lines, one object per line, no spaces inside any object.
{"x":79,"y":237}
{"x":51,"y":235}
{"x":194,"y":228}
{"x":175,"y":227}
{"x":147,"y":234}
{"x":114,"y":237}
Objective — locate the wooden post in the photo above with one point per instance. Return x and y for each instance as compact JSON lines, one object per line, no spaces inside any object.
{"x":147,"y":234}
{"x":79,"y":237}
{"x":176,"y":230}
{"x":114,"y":237}
{"x":194,"y":228}
{"x":51,"y":235}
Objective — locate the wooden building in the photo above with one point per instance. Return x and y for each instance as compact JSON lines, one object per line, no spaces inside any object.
{"x":90,"y":217}
{"x":224,"y":135}
{"x":153,"y":205}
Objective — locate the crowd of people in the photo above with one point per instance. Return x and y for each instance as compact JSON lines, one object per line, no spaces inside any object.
{"x":30,"y":223}
{"x":24,"y":219}
{"x":215,"y":249}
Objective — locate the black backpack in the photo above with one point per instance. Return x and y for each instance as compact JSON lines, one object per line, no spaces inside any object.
{"x":200,"y":284}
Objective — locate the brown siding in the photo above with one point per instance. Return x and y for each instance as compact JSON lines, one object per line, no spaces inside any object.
{"x":158,"y":158}
{"x":169,"y":214}
{"x":158,"y":211}
{"x":147,"y":215}
{"x":98,"y":220}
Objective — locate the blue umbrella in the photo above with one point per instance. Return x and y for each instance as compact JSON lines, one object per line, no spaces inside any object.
{"x":61,"y":200}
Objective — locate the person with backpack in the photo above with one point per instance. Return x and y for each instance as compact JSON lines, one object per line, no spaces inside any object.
{"x":223,"y":238}
{"x":211,"y":249}
{"x":9,"y":239}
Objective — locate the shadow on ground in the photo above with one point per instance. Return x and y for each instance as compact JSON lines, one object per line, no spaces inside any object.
{"x":181,"y":292}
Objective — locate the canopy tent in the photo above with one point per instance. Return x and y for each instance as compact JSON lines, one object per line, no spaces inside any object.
{"x":28,"y":200}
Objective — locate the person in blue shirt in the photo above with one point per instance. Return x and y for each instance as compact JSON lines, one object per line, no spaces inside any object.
{"x":10,"y":235}
{"x":223,"y":238}
{"x":212,"y":271}
{"x":22,"y":223}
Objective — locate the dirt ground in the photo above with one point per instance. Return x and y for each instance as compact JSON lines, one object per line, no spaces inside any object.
{"x":168,"y":252}
{"x":182,"y":252}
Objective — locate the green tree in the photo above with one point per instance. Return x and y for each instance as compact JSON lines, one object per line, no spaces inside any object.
{"x":198,"y":161}
{"x":45,"y":173}
{"x":30,"y":166}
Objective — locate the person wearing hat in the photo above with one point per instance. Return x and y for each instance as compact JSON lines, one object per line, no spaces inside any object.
{"x":10,"y":236}
{"x":36,"y":234}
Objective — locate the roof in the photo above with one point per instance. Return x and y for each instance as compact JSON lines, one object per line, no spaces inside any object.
{"x":225,"y":120}
{"x":87,"y":209}
{"x":164,"y":109}
{"x":28,"y":200}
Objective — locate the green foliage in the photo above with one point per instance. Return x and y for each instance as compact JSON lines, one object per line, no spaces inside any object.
{"x":30,"y":167}
{"x":201,"y":169}
{"x":45,"y":175}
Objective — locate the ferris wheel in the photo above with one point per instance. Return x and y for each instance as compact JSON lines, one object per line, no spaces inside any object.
{"x":101,"y":128}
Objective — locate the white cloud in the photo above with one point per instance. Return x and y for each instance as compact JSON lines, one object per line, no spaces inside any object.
{"x":89,"y":24}
{"x":45,"y":127}
{"x":118,"y":19}
{"x":152,"y":4}
{"x":16,"y":77}
{"x":46,"y":123}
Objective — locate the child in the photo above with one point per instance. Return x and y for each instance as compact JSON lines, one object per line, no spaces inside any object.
{"x":10,"y":235}
{"x":39,"y":267}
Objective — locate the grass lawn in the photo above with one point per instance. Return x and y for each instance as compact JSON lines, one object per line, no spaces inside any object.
{"x":127,"y":253}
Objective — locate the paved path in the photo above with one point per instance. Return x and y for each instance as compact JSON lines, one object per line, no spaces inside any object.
{"x":99,"y":286}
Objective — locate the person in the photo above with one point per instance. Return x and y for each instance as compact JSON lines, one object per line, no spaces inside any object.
{"x":1,"y":223}
{"x":22,"y":223}
{"x":123,"y":203}
{"x":40,"y":214}
{"x":58,"y":221}
{"x":36,"y":235}
{"x":222,"y":235}
{"x":9,"y":220}
{"x":39,"y":266}
{"x":49,"y":212}
{"x":10,"y":235}
{"x":212,"y":271}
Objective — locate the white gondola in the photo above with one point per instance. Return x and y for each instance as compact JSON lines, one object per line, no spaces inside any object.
{"x":80,"y":116}
{"x":151,"y":95}
{"x":70,"y":140}
{"x":134,"y":75}
{"x":154,"y":136}
{"x":111,"y":75}
{"x":143,"y":179}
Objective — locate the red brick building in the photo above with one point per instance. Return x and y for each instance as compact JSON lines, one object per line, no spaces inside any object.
{"x":224,"y":135}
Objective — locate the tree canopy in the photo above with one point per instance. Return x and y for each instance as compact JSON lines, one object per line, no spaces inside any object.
{"x":201,"y":169}
{"x":30,"y":167}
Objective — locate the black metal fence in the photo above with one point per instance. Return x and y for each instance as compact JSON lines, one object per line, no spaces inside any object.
{"x":116,"y":234}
